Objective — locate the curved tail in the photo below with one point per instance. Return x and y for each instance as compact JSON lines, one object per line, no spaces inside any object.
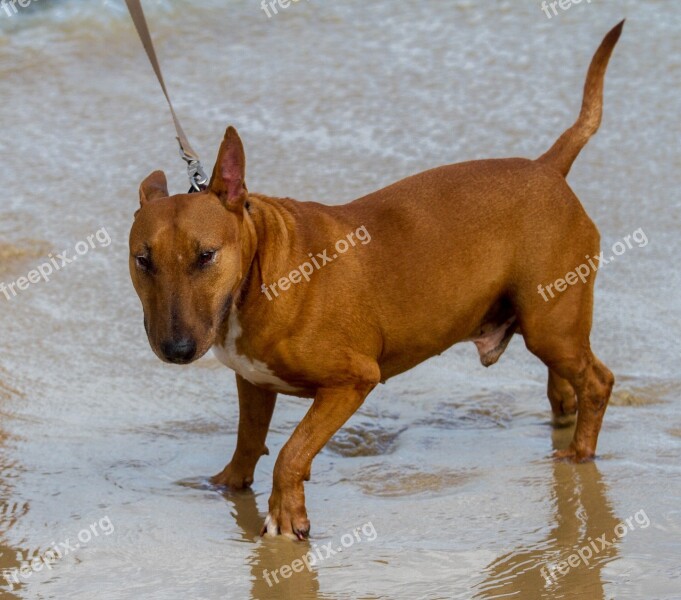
{"x":564,"y":152}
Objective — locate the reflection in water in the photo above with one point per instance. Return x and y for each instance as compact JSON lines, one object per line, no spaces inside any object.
{"x":582,"y":515}
{"x":271,"y":554}
{"x":10,"y":511}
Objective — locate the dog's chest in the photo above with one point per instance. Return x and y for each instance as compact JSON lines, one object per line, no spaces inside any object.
{"x":255,"y":371}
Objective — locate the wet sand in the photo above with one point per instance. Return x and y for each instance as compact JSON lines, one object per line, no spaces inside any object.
{"x":449,"y":463}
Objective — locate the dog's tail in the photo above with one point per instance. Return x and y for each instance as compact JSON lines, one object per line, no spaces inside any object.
{"x":564,"y":152}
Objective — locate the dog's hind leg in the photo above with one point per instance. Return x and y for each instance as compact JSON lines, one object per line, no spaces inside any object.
{"x":563,"y":400}
{"x":558,"y":334}
{"x":567,"y":353}
{"x":594,"y":383}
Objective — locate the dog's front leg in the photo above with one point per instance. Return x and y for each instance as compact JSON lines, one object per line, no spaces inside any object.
{"x":331,"y":408}
{"x":255,"y":413}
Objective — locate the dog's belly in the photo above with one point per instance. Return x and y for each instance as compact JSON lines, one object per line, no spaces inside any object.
{"x":254,"y":371}
{"x":490,"y":325}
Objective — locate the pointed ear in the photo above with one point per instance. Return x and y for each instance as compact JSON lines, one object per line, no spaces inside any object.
{"x":229,"y":175}
{"x":154,"y":186}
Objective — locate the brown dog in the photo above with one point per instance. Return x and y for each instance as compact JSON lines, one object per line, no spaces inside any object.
{"x":457,"y":254}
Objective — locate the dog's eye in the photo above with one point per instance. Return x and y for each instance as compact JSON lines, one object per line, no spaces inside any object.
{"x":206,"y":258}
{"x":143,"y":263}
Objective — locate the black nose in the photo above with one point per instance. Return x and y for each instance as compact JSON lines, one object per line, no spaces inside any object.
{"x":179,"y":351}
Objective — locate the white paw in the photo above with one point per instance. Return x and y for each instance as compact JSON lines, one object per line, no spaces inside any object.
{"x":271,"y":525}
{"x":271,"y":528}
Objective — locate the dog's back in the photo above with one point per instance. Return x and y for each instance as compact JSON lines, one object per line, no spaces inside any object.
{"x":501,"y":227}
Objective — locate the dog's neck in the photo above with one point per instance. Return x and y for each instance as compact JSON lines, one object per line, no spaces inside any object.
{"x":272,"y":230}
{"x":269,"y":234}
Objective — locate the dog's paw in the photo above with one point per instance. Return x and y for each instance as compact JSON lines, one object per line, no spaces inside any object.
{"x":287,"y":517}
{"x":233,"y":478}
{"x":574,"y":455}
{"x":273,"y":528}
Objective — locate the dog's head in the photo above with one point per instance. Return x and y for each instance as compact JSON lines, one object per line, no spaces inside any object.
{"x":188,"y":255}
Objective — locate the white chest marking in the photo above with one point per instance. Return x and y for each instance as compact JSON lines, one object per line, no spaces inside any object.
{"x":255,"y":371}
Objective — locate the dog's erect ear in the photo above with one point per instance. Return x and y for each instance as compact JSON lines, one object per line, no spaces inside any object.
{"x":229,"y":175}
{"x":154,"y":186}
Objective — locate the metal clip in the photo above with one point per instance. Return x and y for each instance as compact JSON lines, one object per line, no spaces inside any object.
{"x":197,"y":176}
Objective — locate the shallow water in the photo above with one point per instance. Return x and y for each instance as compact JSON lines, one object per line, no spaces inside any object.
{"x":449,"y":463}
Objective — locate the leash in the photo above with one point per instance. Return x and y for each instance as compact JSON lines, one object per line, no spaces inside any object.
{"x":197,"y":176}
